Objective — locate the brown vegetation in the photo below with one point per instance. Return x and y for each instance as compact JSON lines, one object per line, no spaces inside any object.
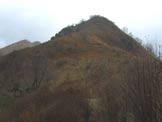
{"x":143,"y":89}
{"x":91,"y":72}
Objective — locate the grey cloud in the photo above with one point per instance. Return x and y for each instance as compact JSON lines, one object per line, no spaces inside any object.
{"x":17,"y":24}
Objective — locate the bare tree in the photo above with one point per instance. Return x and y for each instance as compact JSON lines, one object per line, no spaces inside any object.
{"x":143,"y":89}
{"x":39,"y":71}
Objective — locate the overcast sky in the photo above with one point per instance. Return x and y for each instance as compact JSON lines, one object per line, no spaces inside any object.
{"x":38,"y":20}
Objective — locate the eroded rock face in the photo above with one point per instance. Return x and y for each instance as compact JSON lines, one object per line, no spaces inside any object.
{"x":17,"y":46}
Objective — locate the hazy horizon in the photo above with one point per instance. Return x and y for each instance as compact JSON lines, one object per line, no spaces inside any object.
{"x":40,"y":20}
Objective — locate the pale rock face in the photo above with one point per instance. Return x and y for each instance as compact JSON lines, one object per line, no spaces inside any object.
{"x":17,"y":46}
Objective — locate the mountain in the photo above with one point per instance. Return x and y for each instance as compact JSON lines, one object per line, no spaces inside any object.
{"x":65,"y":78}
{"x":17,"y":46}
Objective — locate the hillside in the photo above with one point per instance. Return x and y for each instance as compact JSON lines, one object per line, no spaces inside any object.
{"x":100,"y":29}
{"x":17,"y":46}
{"x":64,"y":79}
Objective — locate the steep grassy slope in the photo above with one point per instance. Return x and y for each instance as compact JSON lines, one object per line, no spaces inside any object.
{"x":63,"y":79}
